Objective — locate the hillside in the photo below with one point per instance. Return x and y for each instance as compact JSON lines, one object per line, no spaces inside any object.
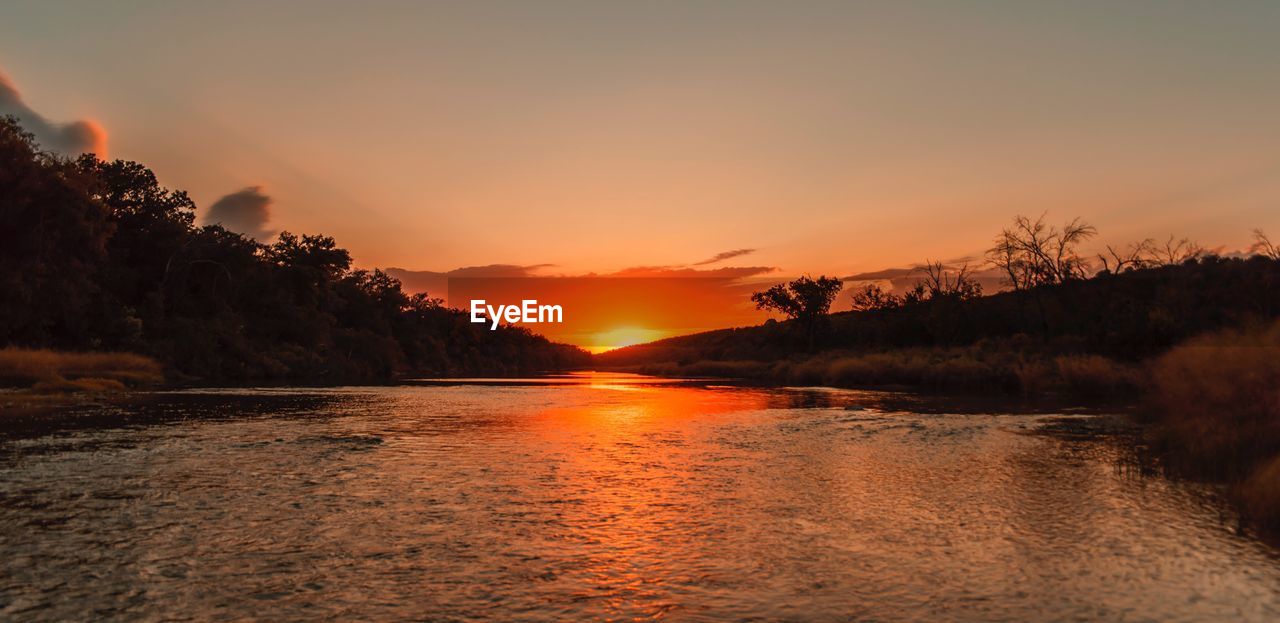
{"x":1126,"y":317}
{"x":98,"y":256}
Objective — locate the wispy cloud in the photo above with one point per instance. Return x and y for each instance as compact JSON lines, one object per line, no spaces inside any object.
{"x":726,"y":255}
{"x":436,"y":282}
{"x":727,"y":272}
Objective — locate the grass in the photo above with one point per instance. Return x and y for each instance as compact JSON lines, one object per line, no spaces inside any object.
{"x":1215,"y":406}
{"x":1259,"y":496}
{"x":983,"y":368}
{"x":50,"y":371}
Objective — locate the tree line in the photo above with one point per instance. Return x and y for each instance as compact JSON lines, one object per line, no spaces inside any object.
{"x":1128,"y":302}
{"x":1030,"y":254}
{"x":97,"y":255}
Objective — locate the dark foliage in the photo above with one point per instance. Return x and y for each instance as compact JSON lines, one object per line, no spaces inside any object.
{"x":99,"y":255}
{"x":805,"y":301}
{"x":1127,"y":316}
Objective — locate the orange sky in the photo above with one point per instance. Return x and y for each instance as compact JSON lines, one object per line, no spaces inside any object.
{"x":601,"y":313}
{"x":593,"y":137}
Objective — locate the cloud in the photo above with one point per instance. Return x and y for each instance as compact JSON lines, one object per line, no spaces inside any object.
{"x":497,"y":270}
{"x":72,"y":139}
{"x":245,"y":211}
{"x":436,"y":282}
{"x":727,"y":272}
{"x":904,"y":278}
{"x":720,"y":257}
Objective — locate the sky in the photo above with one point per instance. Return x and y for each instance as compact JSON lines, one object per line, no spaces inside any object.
{"x":594,"y":137}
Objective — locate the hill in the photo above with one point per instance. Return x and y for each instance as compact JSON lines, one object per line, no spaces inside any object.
{"x":1007,"y":339}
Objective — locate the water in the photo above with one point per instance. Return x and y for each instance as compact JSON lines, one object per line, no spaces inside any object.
{"x":610,"y":498}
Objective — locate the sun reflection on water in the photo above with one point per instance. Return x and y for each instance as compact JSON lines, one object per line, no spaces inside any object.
{"x":608,"y":497}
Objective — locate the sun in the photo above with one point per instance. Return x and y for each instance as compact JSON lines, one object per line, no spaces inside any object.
{"x":623,"y":336}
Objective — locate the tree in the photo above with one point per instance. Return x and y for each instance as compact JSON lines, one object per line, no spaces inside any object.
{"x":805,"y":300}
{"x":1176,"y":252}
{"x":1136,"y":256}
{"x":872,"y":297}
{"x":939,"y":282}
{"x":1263,"y":246}
{"x":98,"y":254}
{"x":151,"y":224}
{"x":1148,"y":254}
{"x":1034,"y":253}
{"x":53,"y":241}
{"x":942,"y":283}
{"x":318,"y":256}
{"x":801,"y":299}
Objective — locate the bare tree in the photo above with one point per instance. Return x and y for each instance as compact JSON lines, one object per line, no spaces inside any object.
{"x":1136,"y":256}
{"x":1033,"y":253}
{"x":872,"y":297}
{"x":1263,"y":246}
{"x":1178,"y":251}
{"x":1149,"y":254}
{"x":942,"y":282}
{"x":1005,"y":256}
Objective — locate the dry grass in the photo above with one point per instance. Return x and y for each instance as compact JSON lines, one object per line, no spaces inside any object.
{"x":1094,"y":376}
{"x":57,"y":371}
{"x":1260,"y":495}
{"x":975,"y":368}
{"x":1216,"y":402}
{"x":947,"y":369}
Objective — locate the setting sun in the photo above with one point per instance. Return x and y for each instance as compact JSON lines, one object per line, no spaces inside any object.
{"x":624,"y":336}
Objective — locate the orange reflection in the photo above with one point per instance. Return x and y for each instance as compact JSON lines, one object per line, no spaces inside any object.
{"x":631,"y":499}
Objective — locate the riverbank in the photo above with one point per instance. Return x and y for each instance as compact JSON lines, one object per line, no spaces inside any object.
{"x":982,"y":368}
{"x":51,"y":371}
{"x":1209,"y":407}
{"x":43,"y":379}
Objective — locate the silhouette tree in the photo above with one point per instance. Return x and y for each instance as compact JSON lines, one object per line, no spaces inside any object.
{"x":872,"y":297}
{"x":98,"y":254}
{"x":53,"y":238}
{"x":1033,"y":253}
{"x":1263,"y":246}
{"x":1178,"y":251}
{"x":1136,"y":256}
{"x":941,"y":282}
{"x":1148,"y":254}
{"x":805,"y":300}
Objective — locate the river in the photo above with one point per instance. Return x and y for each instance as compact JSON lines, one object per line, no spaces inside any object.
{"x":602,"y":497}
